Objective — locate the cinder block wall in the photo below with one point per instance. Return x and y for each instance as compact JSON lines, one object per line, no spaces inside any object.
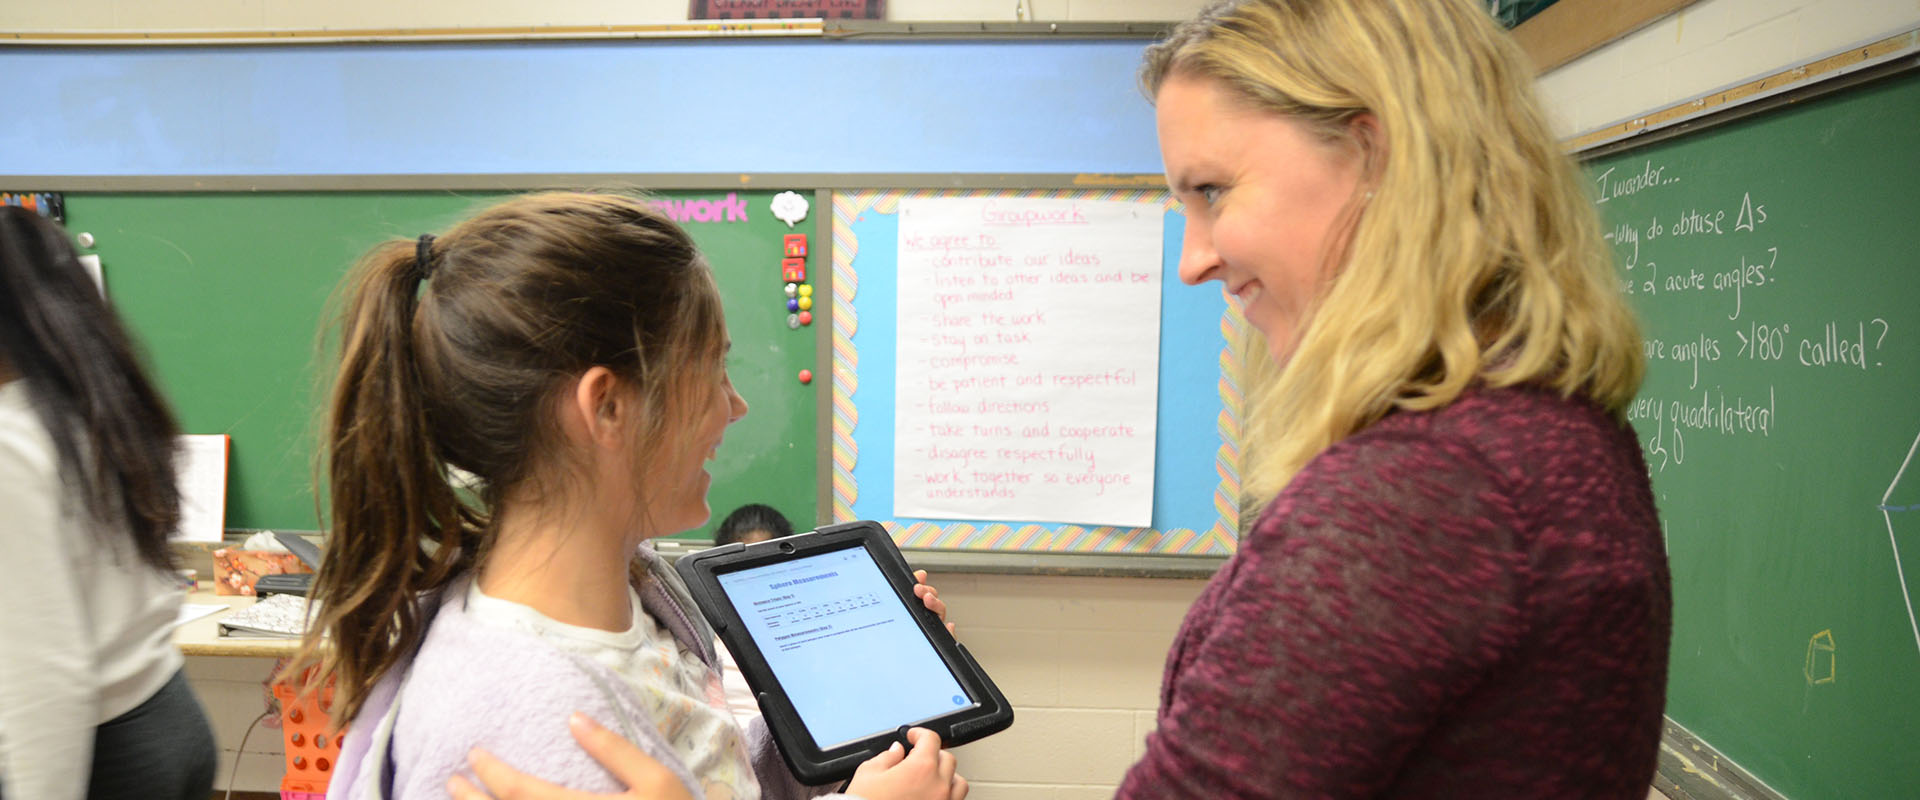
{"x":234,"y":693}
{"x":1080,"y":658}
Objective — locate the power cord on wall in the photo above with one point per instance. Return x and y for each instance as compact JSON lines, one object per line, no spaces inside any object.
{"x":242,"y":752}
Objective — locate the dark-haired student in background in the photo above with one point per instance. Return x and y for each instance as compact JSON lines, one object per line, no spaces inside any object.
{"x":92,"y":700}
{"x":753,"y":522}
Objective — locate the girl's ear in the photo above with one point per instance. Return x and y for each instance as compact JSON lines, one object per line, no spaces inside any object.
{"x":596,"y":408}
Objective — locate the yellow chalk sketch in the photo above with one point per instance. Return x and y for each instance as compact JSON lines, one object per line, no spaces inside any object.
{"x":1686,"y":764}
{"x":1820,"y":658}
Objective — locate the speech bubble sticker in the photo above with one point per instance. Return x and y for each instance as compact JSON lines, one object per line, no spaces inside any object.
{"x":789,"y":207}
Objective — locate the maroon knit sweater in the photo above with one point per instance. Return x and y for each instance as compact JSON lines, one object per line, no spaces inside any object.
{"x":1470,"y":602}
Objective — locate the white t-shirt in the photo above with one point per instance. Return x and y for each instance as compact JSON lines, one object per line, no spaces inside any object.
{"x":740,"y":699}
{"x":86,"y":627}
{"x":684,"y":696}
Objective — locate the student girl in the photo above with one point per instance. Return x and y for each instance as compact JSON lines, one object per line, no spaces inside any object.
{"x":568,"y":352}
{"x":92,"y":700}
{"x":1454,"y":583}
{"x":753,"y":522}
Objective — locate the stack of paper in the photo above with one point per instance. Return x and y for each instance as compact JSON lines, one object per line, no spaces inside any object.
{"x":280,"y":616}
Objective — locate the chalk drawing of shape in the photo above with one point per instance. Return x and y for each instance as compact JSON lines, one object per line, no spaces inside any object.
{"x":1904,"y":505}
{"x":1820,"y":658}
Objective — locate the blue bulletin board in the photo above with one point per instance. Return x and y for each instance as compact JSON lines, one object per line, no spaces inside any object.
{"x":1196,"y":478}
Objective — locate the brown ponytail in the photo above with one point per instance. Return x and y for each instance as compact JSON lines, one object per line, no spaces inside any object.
{"x":449,"y":350}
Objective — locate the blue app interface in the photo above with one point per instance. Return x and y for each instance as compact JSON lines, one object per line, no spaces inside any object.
{"x":846,"y":650}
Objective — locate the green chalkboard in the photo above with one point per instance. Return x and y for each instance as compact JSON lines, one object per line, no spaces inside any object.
{"x":1775,"y":262}
{"x":227,"y":293}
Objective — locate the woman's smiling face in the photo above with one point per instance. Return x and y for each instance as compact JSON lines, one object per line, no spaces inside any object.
{"x":1264,"y":198}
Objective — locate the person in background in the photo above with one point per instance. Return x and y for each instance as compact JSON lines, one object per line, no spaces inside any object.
{"x":568,"y":351}
{"x":753,"y":522}
{"x":92,"y":700}
{"x":1453,"y":583}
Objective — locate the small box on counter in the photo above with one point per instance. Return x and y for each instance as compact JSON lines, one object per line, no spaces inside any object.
{"x":236,"y":571}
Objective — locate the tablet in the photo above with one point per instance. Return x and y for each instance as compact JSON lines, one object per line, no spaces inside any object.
{"x":841,"y":655}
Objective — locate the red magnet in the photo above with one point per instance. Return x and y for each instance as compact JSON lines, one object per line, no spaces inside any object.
{"x":793,"y":270}
{"x":795,"y":245}
{"x":806,"y":376}
{"x":806,"y":318}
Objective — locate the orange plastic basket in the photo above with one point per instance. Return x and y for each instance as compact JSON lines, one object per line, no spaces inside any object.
{"x":311,"y":750}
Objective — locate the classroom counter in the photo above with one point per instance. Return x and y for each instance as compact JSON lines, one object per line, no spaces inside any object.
{"x":201,"y":635}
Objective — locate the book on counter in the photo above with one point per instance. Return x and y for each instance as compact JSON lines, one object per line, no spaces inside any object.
{"x":280,"y":616}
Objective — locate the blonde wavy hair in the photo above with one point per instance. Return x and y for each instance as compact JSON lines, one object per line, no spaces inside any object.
{"x":1478,"y":257}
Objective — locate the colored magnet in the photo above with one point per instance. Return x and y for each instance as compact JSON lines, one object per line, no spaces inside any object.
{"x":793,"y":270}
{"x":795,"y":245}
{"x":793,"y":304}
{"x":806,"y":317}
{"x":806,"y":376}
{"x":793,"y":321}
{"x":793,"y":289}
{"x":806,"y":290}
{"x":806,"y":303}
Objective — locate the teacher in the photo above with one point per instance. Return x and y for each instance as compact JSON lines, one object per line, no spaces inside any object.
{"x":1455,"y":584}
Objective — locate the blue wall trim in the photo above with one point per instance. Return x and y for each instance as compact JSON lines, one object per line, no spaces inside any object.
{"x":579,"y":107}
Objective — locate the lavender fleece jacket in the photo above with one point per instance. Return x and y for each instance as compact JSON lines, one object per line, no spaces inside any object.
{"x":471,"y":685}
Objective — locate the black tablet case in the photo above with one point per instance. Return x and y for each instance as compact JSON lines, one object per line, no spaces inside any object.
{"x":811,"y":764}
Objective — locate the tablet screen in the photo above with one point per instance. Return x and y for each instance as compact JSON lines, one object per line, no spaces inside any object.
{"x":846,"y":650}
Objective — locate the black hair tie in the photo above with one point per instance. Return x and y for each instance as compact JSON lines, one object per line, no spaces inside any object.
{"x":423,"y":256}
